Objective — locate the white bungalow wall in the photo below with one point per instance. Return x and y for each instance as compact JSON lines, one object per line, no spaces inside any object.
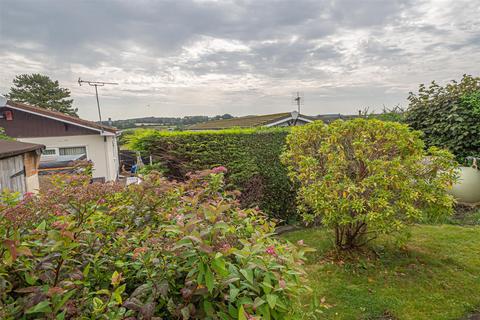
{"x":103,"y":154}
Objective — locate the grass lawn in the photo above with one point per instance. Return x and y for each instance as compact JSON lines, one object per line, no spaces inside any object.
{"x":436,"y":276}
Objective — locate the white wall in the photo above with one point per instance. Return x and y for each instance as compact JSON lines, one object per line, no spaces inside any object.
{"x":103,"y":154}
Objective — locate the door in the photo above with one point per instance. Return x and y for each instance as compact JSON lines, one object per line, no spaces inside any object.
{"x":12,"y":174}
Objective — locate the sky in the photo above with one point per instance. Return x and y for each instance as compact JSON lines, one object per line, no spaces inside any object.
{"x":203,"y":57}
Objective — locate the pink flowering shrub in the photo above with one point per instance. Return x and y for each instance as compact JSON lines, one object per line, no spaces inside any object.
{"x":157,"y":250}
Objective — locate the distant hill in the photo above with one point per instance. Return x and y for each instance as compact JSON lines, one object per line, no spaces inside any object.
{"x":163,"y":121}
{"x":180,"y":123}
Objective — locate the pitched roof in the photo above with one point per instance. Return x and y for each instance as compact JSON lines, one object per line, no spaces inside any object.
{"x":327,"y":118}
{"x":59,"y":116}
{"x":244,"y":122}
{"x":13,"y":148}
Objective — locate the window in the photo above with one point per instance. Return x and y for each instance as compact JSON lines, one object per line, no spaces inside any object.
{"x":49,"y":152}
{"x":72,"y":151}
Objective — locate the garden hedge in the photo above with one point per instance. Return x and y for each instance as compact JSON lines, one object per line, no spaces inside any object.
{"x":252,"y":157}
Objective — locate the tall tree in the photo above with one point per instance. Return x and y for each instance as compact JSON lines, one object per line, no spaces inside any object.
{"x":40,"y":90}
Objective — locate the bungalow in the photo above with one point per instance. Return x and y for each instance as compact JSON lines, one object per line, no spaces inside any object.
{"x":63,"y":135}
{"x":269,"y":120}
{"x":19,"y":166}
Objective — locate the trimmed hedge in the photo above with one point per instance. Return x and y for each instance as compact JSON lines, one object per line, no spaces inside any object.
{"x":252,"y":157}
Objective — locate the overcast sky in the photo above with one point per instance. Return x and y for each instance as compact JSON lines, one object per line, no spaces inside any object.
{"x":182,"y":57}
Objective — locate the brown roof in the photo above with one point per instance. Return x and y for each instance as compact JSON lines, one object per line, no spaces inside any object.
{"x":327,"y":118}
{"x":60,"y":116}
{"x":243,"y":122}
{"x":13,"y":148}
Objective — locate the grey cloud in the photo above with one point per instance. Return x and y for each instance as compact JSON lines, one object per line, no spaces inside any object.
{"x":356,"y":44}
{"x":73,"y":28}
{"x":378,"y":52}
{"x":274,"y":59}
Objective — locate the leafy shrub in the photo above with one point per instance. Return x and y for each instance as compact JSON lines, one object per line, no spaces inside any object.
{"x":3,"y":136}
{"x":252,"y":157}
{"x":365,"y":177}
{"x":449,"y":116}
{"x":158,"y":250}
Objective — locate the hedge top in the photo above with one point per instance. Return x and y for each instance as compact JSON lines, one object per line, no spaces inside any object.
{"x":143,"y":133}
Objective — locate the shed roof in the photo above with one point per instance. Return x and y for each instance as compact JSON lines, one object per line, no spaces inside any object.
{"x":244,"y":122}
{"x":14,"y":148}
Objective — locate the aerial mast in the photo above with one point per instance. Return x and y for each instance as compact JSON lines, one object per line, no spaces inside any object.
{"x":298,"y":100}
{"x":96,"y":84}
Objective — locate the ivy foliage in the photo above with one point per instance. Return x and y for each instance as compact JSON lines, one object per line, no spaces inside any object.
{"x":252,"y":157}
{"x":448,"y":115}
{"x":366,"y":177}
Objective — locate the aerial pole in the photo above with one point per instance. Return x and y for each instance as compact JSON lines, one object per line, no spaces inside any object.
{"x":96,"y":84}
{"x":298,"y":101}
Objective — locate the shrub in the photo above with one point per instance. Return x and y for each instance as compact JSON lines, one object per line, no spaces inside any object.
{"x":449,"y":116}
{"x":3,"y":136}
{"x":252,"y":157}
{"x":158,"y":250}
{"x":366,"y":177}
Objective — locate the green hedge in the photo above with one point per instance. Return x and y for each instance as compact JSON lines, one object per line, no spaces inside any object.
{"x":250,"y":155}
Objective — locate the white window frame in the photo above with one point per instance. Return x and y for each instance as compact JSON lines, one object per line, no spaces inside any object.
{"x":76,"y":146}
{"x":50,"y":155}
{"x":57,"y":150}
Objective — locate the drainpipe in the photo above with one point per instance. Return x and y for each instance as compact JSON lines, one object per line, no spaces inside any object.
{"x":106,"y":157}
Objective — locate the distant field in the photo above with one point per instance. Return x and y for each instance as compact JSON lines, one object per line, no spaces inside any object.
{"x":159,"y":127}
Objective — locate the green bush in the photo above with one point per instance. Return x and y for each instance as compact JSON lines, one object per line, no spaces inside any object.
{"x":449,"y":116}
{"x":252,"y":157}
{"x":158,"y":250}
{"x":3,"y":136}
{"x":367,"y":177}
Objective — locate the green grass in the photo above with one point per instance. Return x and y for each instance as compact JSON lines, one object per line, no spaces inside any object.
{"x":436,"y":276}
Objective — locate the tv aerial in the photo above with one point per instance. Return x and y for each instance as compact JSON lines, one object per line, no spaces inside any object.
{"x":298,"y":100}
{"x":96,"y":84}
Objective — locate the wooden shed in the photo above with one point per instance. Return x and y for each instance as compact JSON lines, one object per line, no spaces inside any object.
{"x":19,"y":166}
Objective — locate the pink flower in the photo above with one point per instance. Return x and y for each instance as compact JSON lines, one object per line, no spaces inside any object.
{"x":59,"y":225}
{"x":101,"y":201}
{"x":271,"y":251}
{"x":282,"y":283}
{"x":242,"y":214}
{"x":138,"y":251}
{"x":225,"y":247}
{"x":220,"y":169}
